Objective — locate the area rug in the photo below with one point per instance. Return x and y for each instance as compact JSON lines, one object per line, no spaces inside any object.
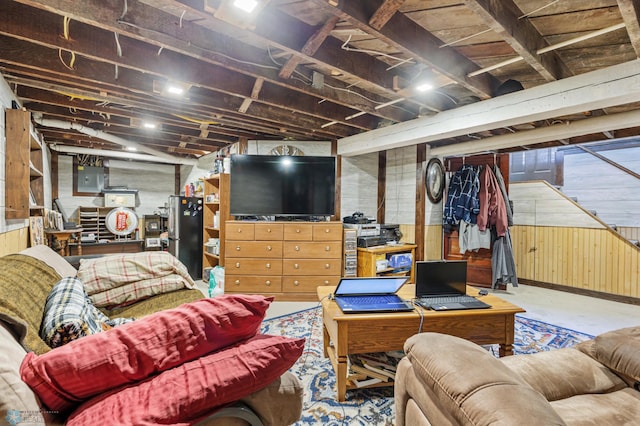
{"x":375,"y":406}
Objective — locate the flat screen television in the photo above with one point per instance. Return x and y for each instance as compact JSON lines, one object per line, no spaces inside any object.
{"x":290,"y":186}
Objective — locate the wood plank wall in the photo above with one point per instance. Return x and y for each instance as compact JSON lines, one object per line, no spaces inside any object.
{"x":556,"y":241}
{"x":13,"y":241}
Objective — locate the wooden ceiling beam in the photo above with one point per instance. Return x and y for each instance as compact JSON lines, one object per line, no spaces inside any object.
{"x":407,"y":36}
{"x":521,"y":35}
{"x":630,"y":11}
{"x":384,"y":12}
{"x":198,"y":39}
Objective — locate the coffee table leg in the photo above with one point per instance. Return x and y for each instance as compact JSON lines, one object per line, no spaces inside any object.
{"x":341,"y":378}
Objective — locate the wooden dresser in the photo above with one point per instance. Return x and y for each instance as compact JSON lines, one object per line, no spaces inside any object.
{"x":285,"y":259}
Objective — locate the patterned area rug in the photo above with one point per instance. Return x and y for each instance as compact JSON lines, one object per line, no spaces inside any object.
{"x":375,"y":406}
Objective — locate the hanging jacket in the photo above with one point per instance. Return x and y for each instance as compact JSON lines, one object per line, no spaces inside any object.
{"x":492,"y":206}
{"x":462,"y":198}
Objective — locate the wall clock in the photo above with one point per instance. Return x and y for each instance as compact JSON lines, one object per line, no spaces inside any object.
{"x":435,"y":180}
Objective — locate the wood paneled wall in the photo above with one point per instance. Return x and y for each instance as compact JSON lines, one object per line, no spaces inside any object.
{"x":557,"y":241}
{"x":584,"y":258}
{"x":13,"y":241}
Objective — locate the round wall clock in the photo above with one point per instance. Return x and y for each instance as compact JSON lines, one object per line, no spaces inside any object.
{"x":435,"y":180}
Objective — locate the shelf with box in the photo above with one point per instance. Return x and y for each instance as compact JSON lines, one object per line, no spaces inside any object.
{"x":396,"y":259}
{"x":215,"y":216}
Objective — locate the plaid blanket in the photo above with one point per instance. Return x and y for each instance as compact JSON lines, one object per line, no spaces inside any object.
{"x":120,"y":280}
{"x":69,"y":314}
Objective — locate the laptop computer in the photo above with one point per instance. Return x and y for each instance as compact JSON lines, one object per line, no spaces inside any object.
{"x":441,"y":285}
{"x":371,"y":294}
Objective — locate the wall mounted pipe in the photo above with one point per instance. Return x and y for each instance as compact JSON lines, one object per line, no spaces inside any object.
{"x":155,"y":155}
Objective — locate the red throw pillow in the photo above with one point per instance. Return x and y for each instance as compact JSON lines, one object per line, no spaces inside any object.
{"x":70,"y":374}
{"x":186,"y":393}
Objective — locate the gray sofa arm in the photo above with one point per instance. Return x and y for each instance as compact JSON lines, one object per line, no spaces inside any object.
{"x":454,"y":381}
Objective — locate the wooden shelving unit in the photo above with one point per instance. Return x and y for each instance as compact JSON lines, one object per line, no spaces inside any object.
{"x":24,"y":197}
{"x":367,"y":258}
{"x":92,"y":222}
{"x":216,"y":200}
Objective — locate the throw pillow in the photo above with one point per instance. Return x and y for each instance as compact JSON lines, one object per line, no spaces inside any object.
{"x":69,"y":314}
{"x":124,"y":279}
{"x":186,"y":393}
{"x":70,"y":374}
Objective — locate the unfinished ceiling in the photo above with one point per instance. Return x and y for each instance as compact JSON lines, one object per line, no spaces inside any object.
{"x":296,"y":70}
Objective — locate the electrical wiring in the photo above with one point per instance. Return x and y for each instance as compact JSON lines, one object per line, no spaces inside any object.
{"x":373,"y":52}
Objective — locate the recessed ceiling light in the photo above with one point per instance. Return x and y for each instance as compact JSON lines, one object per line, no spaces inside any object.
{"x":149,"y":125}
{"x":132,"y":148}
{"x":246,"y":5}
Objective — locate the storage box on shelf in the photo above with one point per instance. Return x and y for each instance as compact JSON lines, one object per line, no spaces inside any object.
{"x":23,"y":167}
{"x":288,"y":260}
{"x":369,"y":266}
{"x":215,"y":217}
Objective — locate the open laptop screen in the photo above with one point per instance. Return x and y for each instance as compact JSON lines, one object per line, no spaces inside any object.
{"x":441,"y":278}
{"x":369,"y":285}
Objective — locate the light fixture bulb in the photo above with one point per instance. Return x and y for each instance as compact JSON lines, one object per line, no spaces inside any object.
{"x":132,"y":148}
{"x":149,"y":125}
{"x":423,"y":87}
{"x":175,"y":90}
{"x":246,"y":5}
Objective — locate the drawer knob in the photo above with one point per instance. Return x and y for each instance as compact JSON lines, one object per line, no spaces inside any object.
{"x":239,"y":230}
{"x":267,"y":282}
{"x":297,"y":248}
{"x":295,"y":265}
{"x":326,"y":282}
{"x":268,"y":248}
{"x":296,"y":282}
{"x":237,"y":264}
{"x":327,"y":266}
{"x":237,"y":282}
{"x":237,"y":248}
{"x":327,"y":248}
{"x":298,"y":231}
{"x":268,"y":266}
{"x":269,"y":230}
{"x":327,"y":230}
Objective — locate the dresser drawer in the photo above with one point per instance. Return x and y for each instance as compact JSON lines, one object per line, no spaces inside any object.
{"x":268,"y":249}
{"x":327,"y":231}
{"x":312,"y":250}
{"x":253,"y":284}
{"x":311,"y":267}
{"x":268,"y":231}
{"x":306,"y":284}
{"x":298,"y":231}
{"x":239,"y":231}
{"x":242,"y":266}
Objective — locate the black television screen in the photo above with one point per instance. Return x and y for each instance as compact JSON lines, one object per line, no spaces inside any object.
{"x":270,"y":185}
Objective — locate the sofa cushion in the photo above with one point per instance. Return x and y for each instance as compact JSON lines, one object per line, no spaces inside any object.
{"x":72,"y":373}
{"x":619,"y":350}
{"x":69,"y":314}
{"x":50,"y":257}
{"x":606,"y":409}
{"x":563,"y":373}
{"x":15,"y":395}
{"x":188,"y":392}
{"x":488,"y":394}
{"x":25,"y":283}
{"x":123,"y":279}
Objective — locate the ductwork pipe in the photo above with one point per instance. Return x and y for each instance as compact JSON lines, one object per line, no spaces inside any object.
{"x":155,"y":155}
{"x":114,"y":154}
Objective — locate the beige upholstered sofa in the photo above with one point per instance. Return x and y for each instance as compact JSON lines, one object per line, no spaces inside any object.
{"x":444,"y":380}
{"x":26,"y":279}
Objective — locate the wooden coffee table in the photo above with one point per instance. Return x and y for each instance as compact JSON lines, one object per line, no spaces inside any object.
{"x":346,"y":334}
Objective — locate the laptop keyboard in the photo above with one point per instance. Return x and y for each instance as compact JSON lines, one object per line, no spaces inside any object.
{"x":445,"y":299}
{"x":370,"y":300}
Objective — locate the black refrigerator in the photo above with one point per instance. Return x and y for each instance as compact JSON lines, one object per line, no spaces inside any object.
{"x":185,"y":232}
